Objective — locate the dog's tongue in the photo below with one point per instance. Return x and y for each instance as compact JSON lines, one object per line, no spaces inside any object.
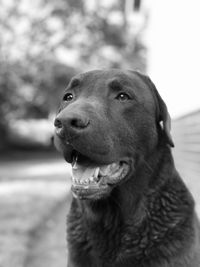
{"x":83,"y":172}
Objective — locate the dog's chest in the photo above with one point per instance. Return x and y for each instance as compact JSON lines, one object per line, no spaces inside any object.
{"x":97,"y":239}
{"x":107,"y":242}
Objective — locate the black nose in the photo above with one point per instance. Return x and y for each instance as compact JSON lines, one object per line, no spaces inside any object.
{"x":69,"y":122}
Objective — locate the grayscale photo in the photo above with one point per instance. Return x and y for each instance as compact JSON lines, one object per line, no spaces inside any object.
{"x":99,"y":133}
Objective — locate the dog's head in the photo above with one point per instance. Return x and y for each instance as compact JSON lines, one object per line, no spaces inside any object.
{"x":107,"y":121}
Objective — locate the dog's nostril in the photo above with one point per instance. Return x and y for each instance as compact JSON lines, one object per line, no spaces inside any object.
{"x":57,"y":123}
{"x":79,"y":123}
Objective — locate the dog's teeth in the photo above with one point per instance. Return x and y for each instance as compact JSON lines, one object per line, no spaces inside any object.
{"x":91,"y":179}
{"x":96,"y":173}
{"x":75,"y":167}
{"x":104,"y":170}
{"x":115,"y":166}
{"x":74,"y":163}
{"x":96,"y":179}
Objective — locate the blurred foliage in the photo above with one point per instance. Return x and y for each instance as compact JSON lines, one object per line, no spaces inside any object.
{"x":29,"y":92}
{"x":44,"y":43}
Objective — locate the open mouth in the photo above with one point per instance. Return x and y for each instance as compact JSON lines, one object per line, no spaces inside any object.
{"x":90,"y":180}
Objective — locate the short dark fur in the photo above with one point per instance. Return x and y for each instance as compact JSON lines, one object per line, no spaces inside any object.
{"x":148,"y":220}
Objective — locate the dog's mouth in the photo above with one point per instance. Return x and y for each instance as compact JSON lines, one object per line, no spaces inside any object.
{"x":93,"y":181}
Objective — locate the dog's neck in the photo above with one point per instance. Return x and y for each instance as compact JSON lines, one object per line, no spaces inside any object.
{"x":140,"y":206}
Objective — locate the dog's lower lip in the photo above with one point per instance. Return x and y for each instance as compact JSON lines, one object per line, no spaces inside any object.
{"x":89,"y":193}
{"x":74,"y":159}
{"x":88,"y":180}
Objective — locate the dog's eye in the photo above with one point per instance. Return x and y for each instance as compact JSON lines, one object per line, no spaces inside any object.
{"x":123,"y":97}
{"x":68,"y":97}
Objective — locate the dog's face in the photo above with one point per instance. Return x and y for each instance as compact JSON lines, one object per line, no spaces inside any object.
{"x":108,"y":121}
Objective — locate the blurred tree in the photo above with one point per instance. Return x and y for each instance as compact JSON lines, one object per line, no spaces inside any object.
{"x":44,"y":42}
{"x":76,"y":32}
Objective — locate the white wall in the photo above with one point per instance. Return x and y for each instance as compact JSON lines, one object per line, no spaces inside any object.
{"x":173,"y":38}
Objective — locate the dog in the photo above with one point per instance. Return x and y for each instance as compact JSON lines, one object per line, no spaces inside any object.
{"x":130,"y":207}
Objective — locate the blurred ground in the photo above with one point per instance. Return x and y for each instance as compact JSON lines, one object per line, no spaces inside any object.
{"x":34,"y":198}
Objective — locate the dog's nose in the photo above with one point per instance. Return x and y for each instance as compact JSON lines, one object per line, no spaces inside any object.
{"x":70,"y":123}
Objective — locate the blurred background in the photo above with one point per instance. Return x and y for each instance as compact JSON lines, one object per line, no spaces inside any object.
{"x":42,"y":45}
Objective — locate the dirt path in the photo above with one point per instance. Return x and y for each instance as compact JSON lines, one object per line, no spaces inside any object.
{"x":33,"y":208}
{"x":47,"y":245}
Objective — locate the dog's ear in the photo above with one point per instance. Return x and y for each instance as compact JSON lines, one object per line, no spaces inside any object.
{"x":163,"y":116}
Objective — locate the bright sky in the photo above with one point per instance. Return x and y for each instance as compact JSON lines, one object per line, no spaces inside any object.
{"x":173,"y":38}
